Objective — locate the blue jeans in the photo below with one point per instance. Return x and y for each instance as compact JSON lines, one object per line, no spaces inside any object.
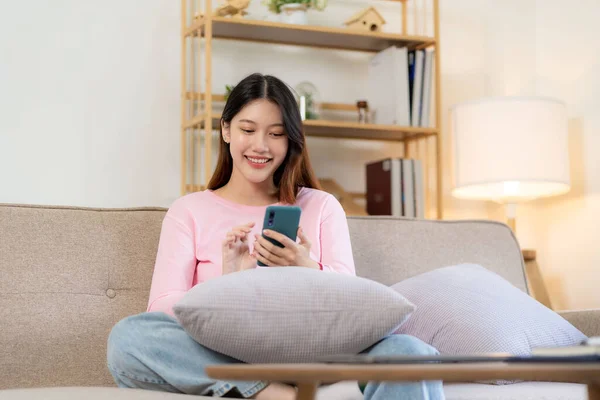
{"x":152,"y":351}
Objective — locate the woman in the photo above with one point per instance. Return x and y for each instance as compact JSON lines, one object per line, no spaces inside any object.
{"x":262,"y":161}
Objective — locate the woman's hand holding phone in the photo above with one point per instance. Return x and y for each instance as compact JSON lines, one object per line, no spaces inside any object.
{"x":235,"y":249}
{"x":291,"y":254}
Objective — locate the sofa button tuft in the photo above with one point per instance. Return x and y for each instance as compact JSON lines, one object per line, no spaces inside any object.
{"x":111,"y":293}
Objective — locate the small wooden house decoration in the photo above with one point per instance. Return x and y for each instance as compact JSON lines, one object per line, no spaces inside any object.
{"x":368,"y":19}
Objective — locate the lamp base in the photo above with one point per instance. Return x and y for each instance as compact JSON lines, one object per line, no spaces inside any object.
{"x":511,"y":216}
{"x":535,"y":280}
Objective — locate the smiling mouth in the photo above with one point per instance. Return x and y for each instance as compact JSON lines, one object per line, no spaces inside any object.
{"x":258,"y":160}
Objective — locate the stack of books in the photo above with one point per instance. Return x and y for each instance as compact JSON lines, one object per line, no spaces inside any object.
{"x":400,"y":86}
{"x":395,"y":187}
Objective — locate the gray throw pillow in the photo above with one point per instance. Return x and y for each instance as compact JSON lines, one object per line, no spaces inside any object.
{"x":467,"y":309}
{"x":291,"y":314}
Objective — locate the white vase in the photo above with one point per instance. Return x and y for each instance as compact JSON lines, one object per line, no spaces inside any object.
{"x":293,"y":13}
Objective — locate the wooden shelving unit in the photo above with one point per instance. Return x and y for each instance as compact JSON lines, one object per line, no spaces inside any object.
{"x":198,"y":116}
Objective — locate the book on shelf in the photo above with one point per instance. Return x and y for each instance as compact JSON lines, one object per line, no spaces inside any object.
{"x":388,"y":88}
{"x":427,"y":88}
{"x":400,"y":86}
{"x":395,"y":187}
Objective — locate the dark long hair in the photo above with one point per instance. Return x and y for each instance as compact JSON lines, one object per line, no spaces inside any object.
{"x":295,"y":171}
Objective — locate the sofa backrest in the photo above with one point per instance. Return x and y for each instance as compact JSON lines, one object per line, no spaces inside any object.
{"x":67,"y":275}
{"x":389,"y":249}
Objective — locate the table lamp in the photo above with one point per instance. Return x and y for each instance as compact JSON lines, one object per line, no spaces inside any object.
{"x":511,"y":150}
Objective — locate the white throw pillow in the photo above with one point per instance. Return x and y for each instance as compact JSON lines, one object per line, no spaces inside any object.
{"x":291,"y":314}
{"x":466,"y":309}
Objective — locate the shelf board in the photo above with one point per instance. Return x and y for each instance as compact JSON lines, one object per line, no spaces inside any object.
{"x":194,"y":188}
{"x":193,"y":29}
{"x":307,"y":35}
{"x":325,"y":106}
{"x":329,"y":128}
{"x":355,"y":130}
{"x":344,"y":129}
{"x":195,"y":121}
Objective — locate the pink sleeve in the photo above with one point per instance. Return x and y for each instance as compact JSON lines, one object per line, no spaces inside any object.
{"x":175,"y":261}
{"x":336,"y":249}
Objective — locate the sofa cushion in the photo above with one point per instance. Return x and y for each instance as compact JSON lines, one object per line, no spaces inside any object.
{"x":290,"y":314}
{"x":466,"y":309}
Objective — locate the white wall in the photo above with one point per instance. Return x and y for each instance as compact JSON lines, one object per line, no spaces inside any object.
{"x":565,"y":230}
{"x":89,"y":102}
{"x":486,"y":51}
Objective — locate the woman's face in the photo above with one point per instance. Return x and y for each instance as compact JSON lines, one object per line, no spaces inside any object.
{"x":258,"y":143}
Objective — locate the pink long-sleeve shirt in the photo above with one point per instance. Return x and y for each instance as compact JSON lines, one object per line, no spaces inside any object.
{"x":189,"y":250}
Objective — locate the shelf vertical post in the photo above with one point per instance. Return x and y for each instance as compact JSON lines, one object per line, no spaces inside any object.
{"x":200,"y":110}
{"x":438,"y":110}
{"x":404,"y":18}
{"x":208,"y":92}
{"x":184,"y":160}
{"x":416,"y":18}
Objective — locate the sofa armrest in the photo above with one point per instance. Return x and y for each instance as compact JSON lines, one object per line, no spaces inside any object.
{"x":587,"y":321}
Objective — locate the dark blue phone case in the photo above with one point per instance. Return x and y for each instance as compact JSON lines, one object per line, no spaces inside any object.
{"x":282,"y":219}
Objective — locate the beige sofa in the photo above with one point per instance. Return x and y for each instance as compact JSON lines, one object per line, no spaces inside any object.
{"x":67,"y":275}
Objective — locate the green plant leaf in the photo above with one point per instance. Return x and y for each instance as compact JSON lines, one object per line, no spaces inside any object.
{"x":275,"y":5}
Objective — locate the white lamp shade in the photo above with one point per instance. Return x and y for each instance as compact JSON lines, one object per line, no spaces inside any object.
{"x":510,"y":149}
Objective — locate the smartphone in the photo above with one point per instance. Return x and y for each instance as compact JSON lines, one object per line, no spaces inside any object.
{"x":282,"y":219}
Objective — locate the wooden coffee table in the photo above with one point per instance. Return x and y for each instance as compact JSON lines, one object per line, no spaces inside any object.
{"x":307,"y":377}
